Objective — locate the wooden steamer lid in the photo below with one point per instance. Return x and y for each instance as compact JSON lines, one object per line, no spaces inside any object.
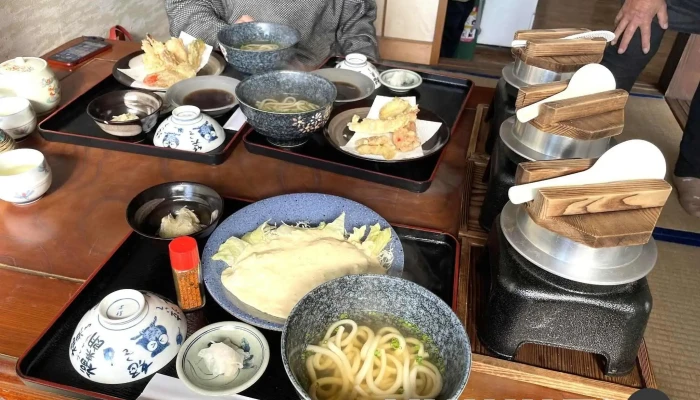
{"x":576,"y":127}
{"x":597,"y":234}
{"x":543,"y":50}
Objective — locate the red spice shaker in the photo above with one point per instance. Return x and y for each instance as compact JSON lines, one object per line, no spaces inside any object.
{"x":187,"y":273}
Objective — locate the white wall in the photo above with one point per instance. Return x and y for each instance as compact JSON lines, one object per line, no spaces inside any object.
{"x":33,"y":27}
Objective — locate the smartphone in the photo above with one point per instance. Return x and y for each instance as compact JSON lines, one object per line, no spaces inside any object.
{"x":79,"y":53}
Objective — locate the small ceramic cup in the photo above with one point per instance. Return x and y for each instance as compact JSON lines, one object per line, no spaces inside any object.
{"x":192,"y":370}
{"x":191,"y":130}
{"x":358,"y":62}
{"x":17,"y":117}
{"x":25,"y":176}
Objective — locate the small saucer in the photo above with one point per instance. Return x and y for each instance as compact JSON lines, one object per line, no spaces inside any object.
{"x":192,"y":370}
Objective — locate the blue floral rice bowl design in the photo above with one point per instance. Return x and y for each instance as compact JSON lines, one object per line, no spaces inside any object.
{"x":191,"y":130}
{"x":192,"y":369}
{"x":128,"y":336}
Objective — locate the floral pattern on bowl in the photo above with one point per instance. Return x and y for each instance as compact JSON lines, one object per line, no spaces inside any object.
{"x":313,"y":123}
{"x":24,"y":186}
{"x":128,"y":336}
{"x":190,"y":130}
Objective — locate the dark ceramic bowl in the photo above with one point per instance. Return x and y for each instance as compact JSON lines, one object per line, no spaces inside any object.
{"x":144,"y":105}
{"x":286,"y":129}
{"x":146,"y":210}
{"x":350,"y":85}
{"x":178,"y":92}
{"x":254,"y":62}
{"x":391,"y":301}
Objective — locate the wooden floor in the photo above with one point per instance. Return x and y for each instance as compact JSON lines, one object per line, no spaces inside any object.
{"x":593,"y":14}
{"x":680,"y":110}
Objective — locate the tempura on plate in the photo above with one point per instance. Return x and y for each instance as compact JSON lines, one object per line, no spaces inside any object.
{"x":396,"y":126}
{"x":377,"y":145}
{"x":170,"y":62}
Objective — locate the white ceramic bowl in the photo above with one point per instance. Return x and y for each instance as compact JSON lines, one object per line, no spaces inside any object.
{"x":192,"y":370}
{"x":17,"y":117}
{"x":128,"y":336}
{"x":191,"y":130}
{"x":25,"y":176}
{"x":413,"y":80}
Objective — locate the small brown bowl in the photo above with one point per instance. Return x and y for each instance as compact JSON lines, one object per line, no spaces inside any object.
{"x":145,"y":105}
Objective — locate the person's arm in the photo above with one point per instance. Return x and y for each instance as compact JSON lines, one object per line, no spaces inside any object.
{"x":356,"y":33}
{"x":638,"y":14}
{"x":202,"y":19}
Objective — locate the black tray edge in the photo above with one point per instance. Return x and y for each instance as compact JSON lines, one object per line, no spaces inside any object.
{"x":136,"y":148}
{"x":355,"y":172}
{"x":86,"y":394}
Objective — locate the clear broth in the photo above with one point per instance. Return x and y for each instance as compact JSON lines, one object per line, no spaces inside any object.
{"x":252,"y":46}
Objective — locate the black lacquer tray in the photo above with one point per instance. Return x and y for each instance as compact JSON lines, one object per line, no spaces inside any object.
{"x":432,"y":260}
{"x":71,"y":124}
{"x":444,"y":96}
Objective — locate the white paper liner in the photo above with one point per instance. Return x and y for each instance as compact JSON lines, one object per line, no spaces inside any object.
{"x":137,"y":72}
{"x":236,"y":121}
{"x":424,"y":129}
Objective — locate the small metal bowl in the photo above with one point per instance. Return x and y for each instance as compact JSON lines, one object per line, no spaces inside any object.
{"x":413,"y":81}
{"x":147,"y":209}
{"x":144,"y":105}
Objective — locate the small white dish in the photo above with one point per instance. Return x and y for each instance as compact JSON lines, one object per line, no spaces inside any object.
{"x":192,"y":370}
{"x":25,"y":176}
{"x":128,"y":336}
{"x":400,"y":80}
{"x":191,"y":130}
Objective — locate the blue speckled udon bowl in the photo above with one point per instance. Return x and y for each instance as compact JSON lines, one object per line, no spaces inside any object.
{"x":286,"y":129}
{"x":233,"y":37}
{"x":382,"y":301}
{"x":312,"y":208}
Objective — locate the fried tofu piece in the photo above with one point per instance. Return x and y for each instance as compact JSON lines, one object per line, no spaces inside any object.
{"x":394,"y":108}
{"x":176,"y":47}
{"x":378,"y":126}
{"x":376,"y":145}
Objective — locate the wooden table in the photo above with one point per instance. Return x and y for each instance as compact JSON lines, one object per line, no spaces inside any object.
{"x":47,"y":249}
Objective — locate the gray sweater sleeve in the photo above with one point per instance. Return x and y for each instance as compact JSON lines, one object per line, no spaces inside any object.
{"x":202,"y":19}
{"x":356,"y":32}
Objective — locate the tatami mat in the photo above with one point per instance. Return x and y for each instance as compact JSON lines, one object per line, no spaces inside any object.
{"x":673,"y":333}
{"x":483,"y":81}
{"x":651,"y":119}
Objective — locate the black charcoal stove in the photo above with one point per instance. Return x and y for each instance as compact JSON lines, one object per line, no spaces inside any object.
{"x":547,"y":289}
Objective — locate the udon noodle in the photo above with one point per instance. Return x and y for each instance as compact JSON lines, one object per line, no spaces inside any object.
{"x":354,"y":362}
{"x":288,"y":105}
{"x":260,"y":46}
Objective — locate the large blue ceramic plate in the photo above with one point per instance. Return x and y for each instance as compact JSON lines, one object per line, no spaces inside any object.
{"x":312,"y":208}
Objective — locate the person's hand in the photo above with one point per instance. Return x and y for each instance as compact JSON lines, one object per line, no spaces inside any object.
{"x":245,"y":18}
{"x":638,"y":14}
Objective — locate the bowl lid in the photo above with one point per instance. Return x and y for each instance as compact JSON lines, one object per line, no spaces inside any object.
{"x":23,"y":65}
